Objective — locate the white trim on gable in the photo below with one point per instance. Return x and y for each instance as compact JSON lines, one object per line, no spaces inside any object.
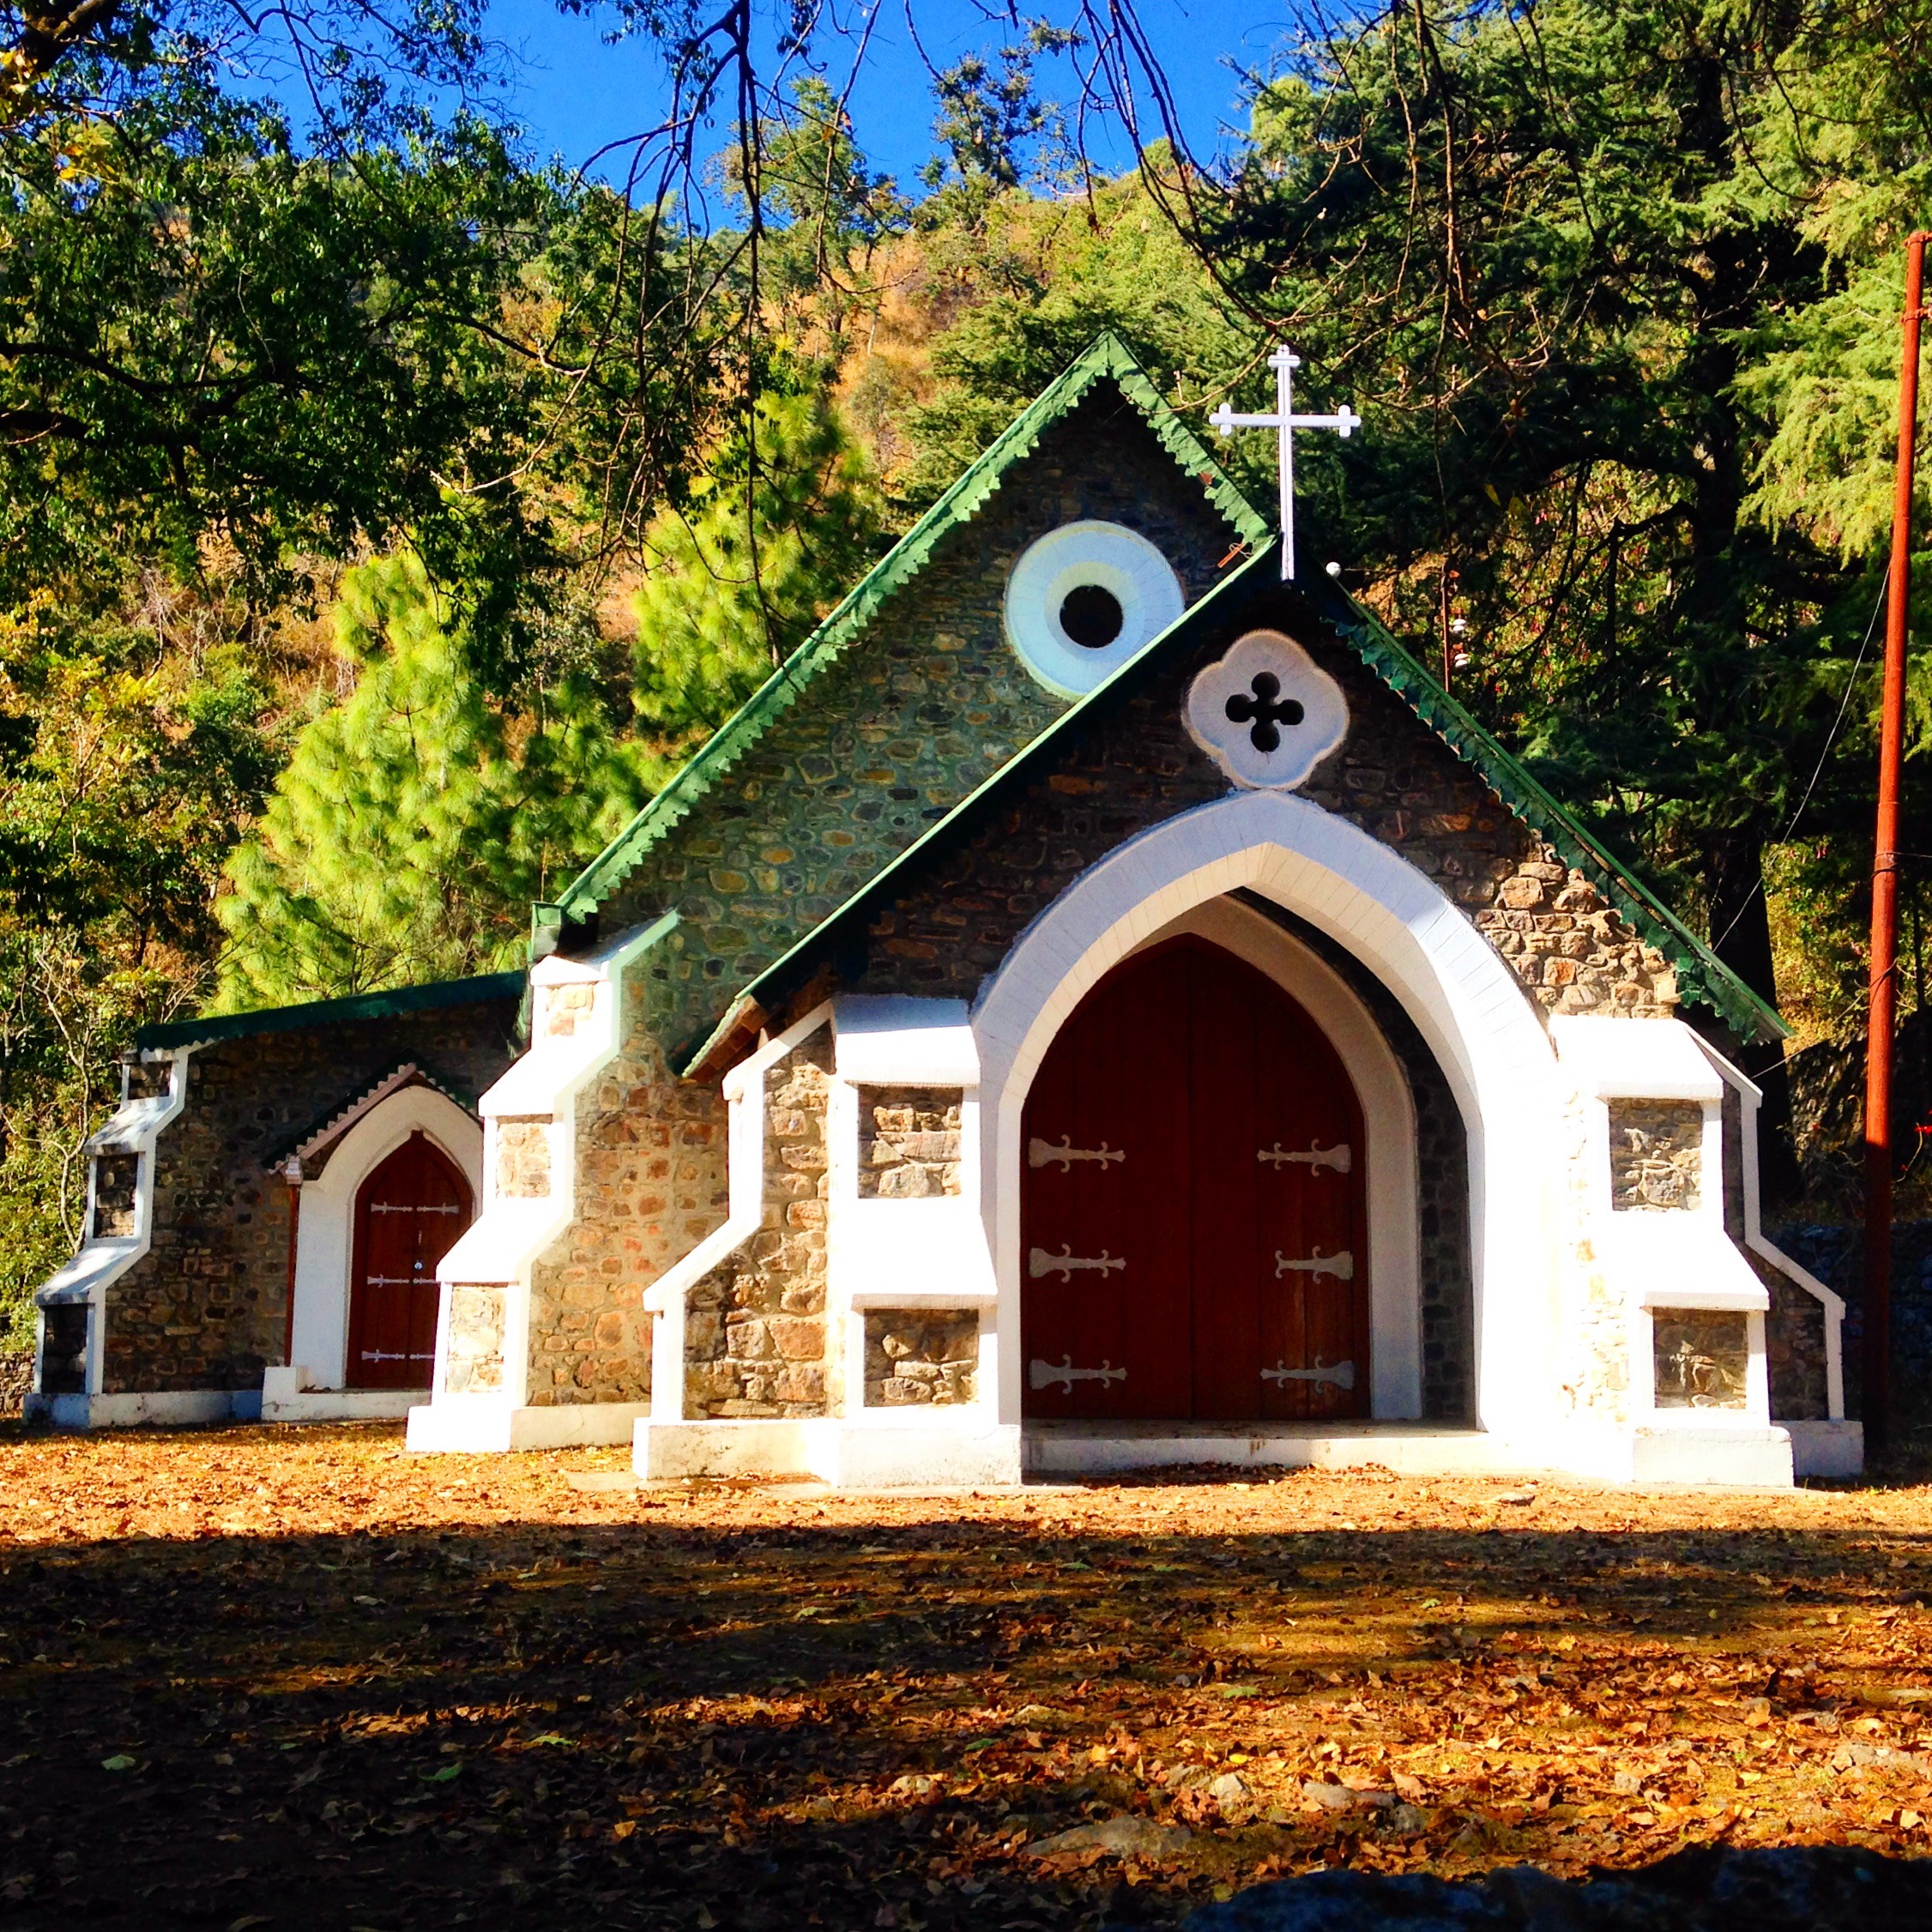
{"x":1462,"y":998}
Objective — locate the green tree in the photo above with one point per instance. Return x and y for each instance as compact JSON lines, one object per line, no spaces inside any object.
{"x":417,"y":820}
{"x":132,"y":753}
{"x":738,"y":583}
{"x":1540,"y":248}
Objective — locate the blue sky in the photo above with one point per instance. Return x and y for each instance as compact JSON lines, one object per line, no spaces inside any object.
{"x":576,"y":95}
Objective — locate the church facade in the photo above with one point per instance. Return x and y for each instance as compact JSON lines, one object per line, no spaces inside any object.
{"x":1098,"y":1004}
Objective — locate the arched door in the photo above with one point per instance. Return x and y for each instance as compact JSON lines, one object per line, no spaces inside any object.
{"x":1193,"y":1226}
{"x":408,"y":1215}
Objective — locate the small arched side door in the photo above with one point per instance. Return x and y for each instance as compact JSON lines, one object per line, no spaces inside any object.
{"x":409,"y":1213}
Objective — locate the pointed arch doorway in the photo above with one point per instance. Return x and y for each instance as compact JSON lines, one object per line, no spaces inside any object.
{"x":1194,"y":1218}
{"x":409,"y":1213}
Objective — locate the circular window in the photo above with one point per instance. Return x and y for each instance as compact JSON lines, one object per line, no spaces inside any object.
{"x":1084,"y":599}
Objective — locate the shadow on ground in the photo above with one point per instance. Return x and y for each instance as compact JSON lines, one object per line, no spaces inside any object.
{"x":666,"y":1722}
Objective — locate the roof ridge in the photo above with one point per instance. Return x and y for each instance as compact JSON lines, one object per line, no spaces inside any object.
{"x":1106,"y":357}
{"x":1442,"y":712}
{"x":172,"y":1035}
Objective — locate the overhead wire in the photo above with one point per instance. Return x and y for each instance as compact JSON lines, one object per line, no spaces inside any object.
{"x":1837,"y":724}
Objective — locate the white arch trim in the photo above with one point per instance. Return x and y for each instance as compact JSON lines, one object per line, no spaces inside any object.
{"x":1464,"y":1000}
{"x":326,"y":1233}
{"x":1388,"y":1117}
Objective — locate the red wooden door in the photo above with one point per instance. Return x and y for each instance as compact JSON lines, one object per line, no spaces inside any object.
{"x":408,"y":1215}
{"x":1192,"y":1212}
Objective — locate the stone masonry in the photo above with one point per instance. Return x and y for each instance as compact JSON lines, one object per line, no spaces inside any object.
{"x":1701,"y":1358}
{"x":1595,"y":1362}
{"x":206,"y":1307}
{"x":1571,"y":947}
{"x":755,"y":1326}
{"x":16,"y":1378}
{"x":1134,"y":765}
{"x":1656,"y":1154}
{"x":115,"y":1176}
{"x":920,"y":1355}
{"x":651,"y":1184}
{"x":523,"y":1159}
{"x":909,"y":1142}
{"x":914,"y":716}
{"x":475,"y":1361}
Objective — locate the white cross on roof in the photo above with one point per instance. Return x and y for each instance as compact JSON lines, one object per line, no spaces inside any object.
{"x":1285,"y":422}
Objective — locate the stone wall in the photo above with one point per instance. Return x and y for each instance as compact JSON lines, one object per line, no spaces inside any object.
{"x":909,"y":1142}
{"x":63,"y":1349}
{"x":1701,"y":1358}
{"x":523,"y":1159}
{"x":1795,"y":1346}
{"x":1133,"y":765}
{"x":115,"y":1179}
{"x":206,"y":1307}
{"x":17,"y":1378}
{"x":1657,"y":1155}
{"x":755,"y":1331}
{"x":921,"y":1355}
{"x":651,"y":1183}
{"x":1446,"y":1270}
{"x":912,"y":718}
{"x":1570,"y":948}
{"x":1594,"y":1364}
{"x":475,"y":1360}
{"x":1836,"y":1254}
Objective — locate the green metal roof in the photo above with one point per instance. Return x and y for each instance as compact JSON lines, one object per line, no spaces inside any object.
{"x":332,"y":1012}
{"x":1701,"y":975}
{"x":1106,"y":359}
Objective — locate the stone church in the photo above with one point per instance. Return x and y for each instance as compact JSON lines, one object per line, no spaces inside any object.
{"x":1098,"y":1005}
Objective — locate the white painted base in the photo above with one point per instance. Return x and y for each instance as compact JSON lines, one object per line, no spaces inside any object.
{"x":286,"y":1397}
{"x":668,"y":1452}
{"x":848,"y":1456}
{"x":479,"y":1425}
{"x":1414,"y":1449}
{"x":1745,"y":1459}
{"x":178,"y":1408}
{"x":856,"y":1457}
{"x":1741,"y":1457}
{"x":1827,"y":1448}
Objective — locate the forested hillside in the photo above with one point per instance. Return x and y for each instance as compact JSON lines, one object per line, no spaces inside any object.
{"x":383,"y":515}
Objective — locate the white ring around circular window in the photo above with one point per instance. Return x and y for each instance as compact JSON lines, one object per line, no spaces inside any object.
{"x":1084,"y":599}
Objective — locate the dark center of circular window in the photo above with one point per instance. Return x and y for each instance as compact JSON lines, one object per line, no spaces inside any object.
{"x":1091,"y":616}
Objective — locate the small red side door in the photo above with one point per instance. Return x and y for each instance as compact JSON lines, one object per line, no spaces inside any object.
{"x":409,"y":1213}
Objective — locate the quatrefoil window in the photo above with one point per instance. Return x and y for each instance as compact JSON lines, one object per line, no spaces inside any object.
{"x":1266,"y":713}
{"x":1263,"y":707}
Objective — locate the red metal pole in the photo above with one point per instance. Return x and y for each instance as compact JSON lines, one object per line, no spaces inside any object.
{"x":1877,"y":1394}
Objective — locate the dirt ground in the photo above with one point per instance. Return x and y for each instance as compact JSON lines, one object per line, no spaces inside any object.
{"x":294,"y":1678}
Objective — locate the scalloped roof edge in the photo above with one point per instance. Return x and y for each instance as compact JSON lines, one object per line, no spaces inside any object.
{"x":1702,"y":977}
{"x":1107,"y":358}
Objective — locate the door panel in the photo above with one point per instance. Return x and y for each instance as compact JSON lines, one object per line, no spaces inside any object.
{"x":409,"y":1213}
{"x":1106,"y":1182}
{"x":1222,"y":1017}
{"x":1243,"y":1157}
{"x":1311,"y":1212}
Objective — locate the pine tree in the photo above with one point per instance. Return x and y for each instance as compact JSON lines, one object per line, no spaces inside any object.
{"x":416,"y":821}
{"x":738,"y":584}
